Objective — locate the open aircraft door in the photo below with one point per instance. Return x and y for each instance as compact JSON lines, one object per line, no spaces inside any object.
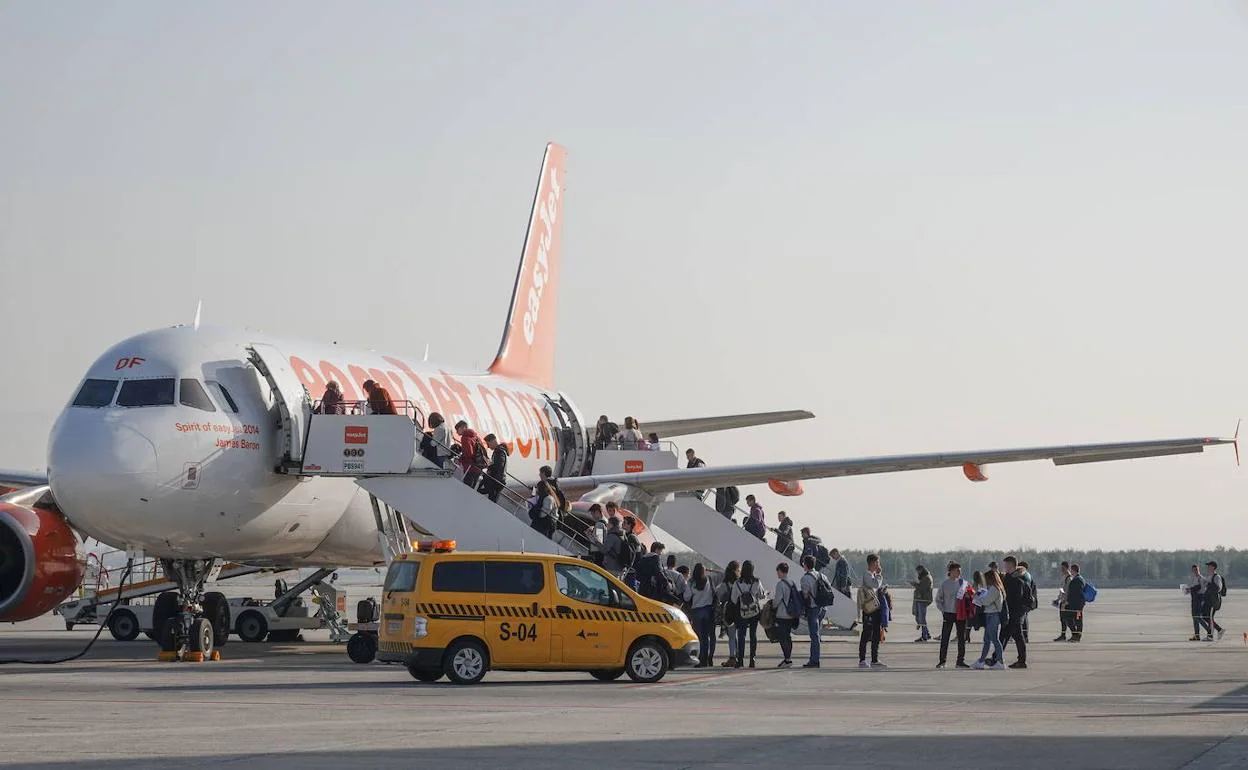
{"x":572,"y":439}
{"x":290,"y":397}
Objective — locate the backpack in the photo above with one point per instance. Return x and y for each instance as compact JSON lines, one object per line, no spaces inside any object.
{"x":822,"y":557}
{"x":793,"y":603}
{"x":1222,"y":591}
{"x":1089,"y":591}
{"x":479,"y":458}
{"x":1030,"y":599}
{"x":427,"y":448}
{"x":628,"y":553}
{"x":747,"y":604}
{"x":824,"y":595}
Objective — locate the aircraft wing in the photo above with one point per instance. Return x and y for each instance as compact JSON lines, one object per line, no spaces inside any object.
{"x":690,"y":426}
{"x":10,"y":479}
{"x":662,"y":482}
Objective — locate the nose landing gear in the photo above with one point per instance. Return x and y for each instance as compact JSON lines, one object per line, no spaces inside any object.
{"x":189,"y":624}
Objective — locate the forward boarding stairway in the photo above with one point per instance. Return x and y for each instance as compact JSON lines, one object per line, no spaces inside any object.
{"x":412,"y":496}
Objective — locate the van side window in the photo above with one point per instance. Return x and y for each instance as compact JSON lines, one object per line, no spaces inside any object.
{"x":584,"y":585}
{"x":459,"y":577}
{"x":402,"y":576}
{"x":514,"y":577}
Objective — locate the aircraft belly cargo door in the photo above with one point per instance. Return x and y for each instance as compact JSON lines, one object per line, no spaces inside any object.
{"x":294,"y":406}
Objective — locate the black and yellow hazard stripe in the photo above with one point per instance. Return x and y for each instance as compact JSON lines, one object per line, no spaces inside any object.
{"x":442,"y":611}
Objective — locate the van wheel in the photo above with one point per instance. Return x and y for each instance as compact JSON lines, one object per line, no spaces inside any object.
{"x":465,"y":662}
{"x":123,"y":625}
{"x":424,"y":674}
{"x":647,"y":661}
{"x":607,"y":674}
{"x":252,"y":627}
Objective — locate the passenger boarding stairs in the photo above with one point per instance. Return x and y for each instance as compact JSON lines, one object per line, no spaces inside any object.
{"x":412,"y":496}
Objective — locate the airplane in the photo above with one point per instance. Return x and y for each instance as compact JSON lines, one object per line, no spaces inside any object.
{"x":187,"y":444}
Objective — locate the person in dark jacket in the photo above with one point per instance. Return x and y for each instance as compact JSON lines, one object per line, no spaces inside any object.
{"x":922,"y":585}
{"x":331,"y":402}
{"x":784,"y":535}
{"x":1075,"y":603}
{"x":379,"y":401}
{"x":496,"y":474}
{"x":1018,"y":604}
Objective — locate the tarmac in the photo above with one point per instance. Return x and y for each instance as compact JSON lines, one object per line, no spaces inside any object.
{"x":1133,"y":695}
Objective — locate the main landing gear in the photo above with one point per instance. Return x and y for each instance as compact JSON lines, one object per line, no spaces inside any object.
{"x":189,"y":624}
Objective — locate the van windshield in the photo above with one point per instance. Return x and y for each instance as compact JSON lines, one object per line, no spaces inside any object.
{"x":402,"y":576}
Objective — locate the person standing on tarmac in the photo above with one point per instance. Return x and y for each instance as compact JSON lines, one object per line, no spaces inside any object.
{"x":1213,"y":600}
{"x":1018,"y":603}
{"x":947,"y":597}
{"x":922,"y":585}
{"x":748,"y":595}
{"x":785,"y":597}
{"x":1060,"y":602}
{"x":1195,"y":590}
{"x":700,"y":594}
{"x":1075,"y":602}
{"x":872,"y":604}
{"x":814,"y":613}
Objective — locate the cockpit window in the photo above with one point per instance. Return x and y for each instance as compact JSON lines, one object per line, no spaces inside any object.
{"x":96,"y":393}
{"x":222,"y":397}
{"x":193,"y":395}
{"x":158,"y":392}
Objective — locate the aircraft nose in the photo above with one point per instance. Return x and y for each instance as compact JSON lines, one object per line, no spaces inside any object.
{"x":100,"y":465}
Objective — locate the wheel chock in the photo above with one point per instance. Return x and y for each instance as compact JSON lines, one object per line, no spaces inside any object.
{"x":193,"y":657}
{"x":216,"y":655}
{"x":167,"y":656}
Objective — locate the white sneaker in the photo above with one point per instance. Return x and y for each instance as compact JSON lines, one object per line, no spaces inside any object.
{"x":863,"y":664}
{"x":878,"y":665}
{"x":1221,"y":632}
{"x":978,"y":665}
{"x":998,"y":666}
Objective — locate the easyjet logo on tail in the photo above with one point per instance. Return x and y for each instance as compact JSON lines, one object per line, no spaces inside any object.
{"x":548,"y":213}
{"x":355,"y":434}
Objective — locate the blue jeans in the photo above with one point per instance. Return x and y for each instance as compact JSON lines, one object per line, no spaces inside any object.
{"x":813,"y":616}
{"x":920,"y":619}
{"x":704,"y":627}
{"x":992,"y":636}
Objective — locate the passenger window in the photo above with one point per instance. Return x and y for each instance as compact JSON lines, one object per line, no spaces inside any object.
{"x":584,"y":585}
{"x":96,"y":393}
{"x":459,"y":577}
{"x":192,"y":394}
{"x":222,"y":397}
{"x":402,"y":576}
{"x":146,"y":392}
{"x":514,"y":577}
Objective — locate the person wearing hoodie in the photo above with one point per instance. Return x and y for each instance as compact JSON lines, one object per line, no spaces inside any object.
{"x":784,"y":535}
{"x":992,"y":599}
{"x":922,"y":600}
{"x":612,"y":544}
{"x":471,"y":455}
{"x":700,"y":595}
{"x":951,"y":591}
{"x":786,"y":593}
{"x":496,"y":474}
{"x":1018,"y":593}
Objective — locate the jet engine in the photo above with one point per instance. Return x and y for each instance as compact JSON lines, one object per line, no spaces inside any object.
{"x":40,"y":561}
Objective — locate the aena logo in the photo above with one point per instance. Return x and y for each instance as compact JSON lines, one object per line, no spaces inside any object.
{"x":356,"y":434}
{"x":548,"y":212}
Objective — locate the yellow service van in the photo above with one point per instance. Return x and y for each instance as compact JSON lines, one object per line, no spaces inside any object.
{"x":460,"y":615}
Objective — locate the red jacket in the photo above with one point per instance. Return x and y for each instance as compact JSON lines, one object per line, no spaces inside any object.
{"x":468,"y":442}
{"x":379,"y":401}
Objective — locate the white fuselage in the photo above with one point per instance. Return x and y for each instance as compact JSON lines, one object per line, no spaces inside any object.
{"x":198,"y":477}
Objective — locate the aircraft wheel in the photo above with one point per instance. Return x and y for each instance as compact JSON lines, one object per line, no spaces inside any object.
{"x":123,"y":625}
{"x":166,"y":607}
{"x":171,"y":635}
{"x":202,"y":637}
{"x":362,"y":648}
{"x":252,"y":627}
{"x":217,"y":611}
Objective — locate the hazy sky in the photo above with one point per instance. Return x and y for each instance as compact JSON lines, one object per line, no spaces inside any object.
{"x":936,"y":225}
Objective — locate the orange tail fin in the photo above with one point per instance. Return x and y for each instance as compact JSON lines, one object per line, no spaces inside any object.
{"x":527,"y":351}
